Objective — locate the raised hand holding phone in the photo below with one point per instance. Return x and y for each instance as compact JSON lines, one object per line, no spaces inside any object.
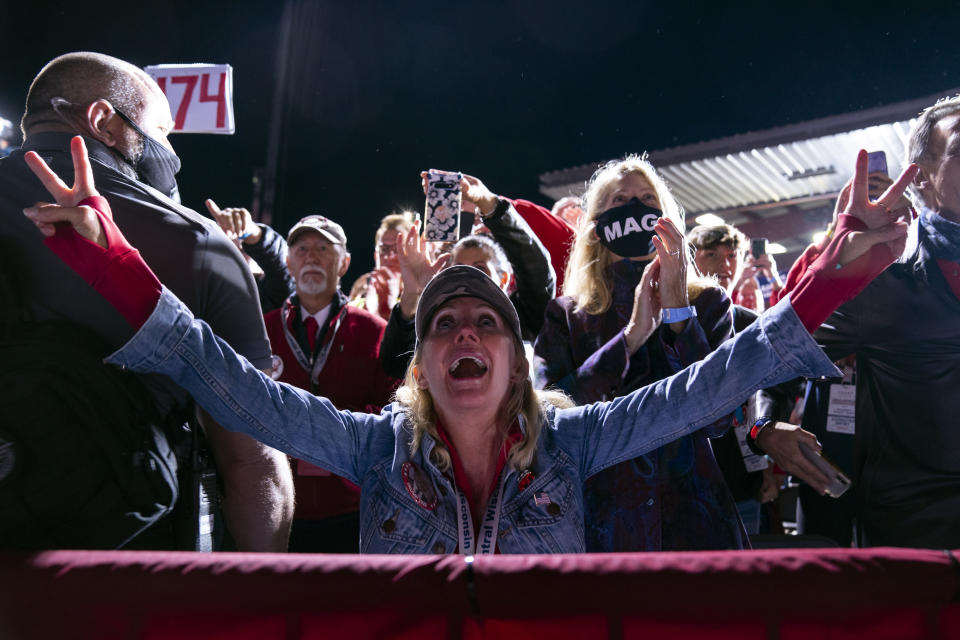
{"x":442,"y":212}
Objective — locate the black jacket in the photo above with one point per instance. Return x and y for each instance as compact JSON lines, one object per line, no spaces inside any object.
{"x":270,"y":253}
{"x":905,"y":331}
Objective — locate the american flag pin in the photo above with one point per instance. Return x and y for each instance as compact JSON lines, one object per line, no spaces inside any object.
{"x":541,"y":498}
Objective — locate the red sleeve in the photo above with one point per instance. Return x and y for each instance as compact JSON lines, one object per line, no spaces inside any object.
{"x":796,"y":272}
{"x":556,"y":235}
{"x":118,"y":273}
{"x":825,"y":284}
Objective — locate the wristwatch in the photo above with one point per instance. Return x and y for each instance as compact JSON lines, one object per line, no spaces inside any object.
{"x":677,"y":314}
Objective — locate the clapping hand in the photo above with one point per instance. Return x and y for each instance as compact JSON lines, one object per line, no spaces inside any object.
{"x":672,"y":282}
{"x":645,"y":317}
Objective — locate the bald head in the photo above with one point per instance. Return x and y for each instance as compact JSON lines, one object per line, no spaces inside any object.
{"x":81,"y":78}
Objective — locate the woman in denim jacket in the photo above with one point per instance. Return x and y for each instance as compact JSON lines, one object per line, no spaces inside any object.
{"x":470,"y":459}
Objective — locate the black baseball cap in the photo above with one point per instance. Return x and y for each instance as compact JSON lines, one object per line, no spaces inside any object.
{"x":463,"y":281}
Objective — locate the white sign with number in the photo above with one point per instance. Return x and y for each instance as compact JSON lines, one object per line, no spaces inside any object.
{"x":200,"y":95}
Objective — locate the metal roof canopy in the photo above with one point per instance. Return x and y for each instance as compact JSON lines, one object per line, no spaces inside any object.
{"x":753,"y":179}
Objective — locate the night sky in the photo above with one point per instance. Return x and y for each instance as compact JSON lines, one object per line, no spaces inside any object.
{"x":504,"y":91}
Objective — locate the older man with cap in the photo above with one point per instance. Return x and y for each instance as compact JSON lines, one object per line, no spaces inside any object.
{"x":330,"y":348}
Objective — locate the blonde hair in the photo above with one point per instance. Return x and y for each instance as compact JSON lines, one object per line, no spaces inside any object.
{"x":400,"y":222}
{"x":586,"y":279}
{"x":522,"y":401}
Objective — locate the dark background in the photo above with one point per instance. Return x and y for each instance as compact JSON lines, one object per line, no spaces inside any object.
{"x":378,"y":91}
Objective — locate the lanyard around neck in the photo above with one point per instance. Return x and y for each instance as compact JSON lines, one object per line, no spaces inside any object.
{"x":314,"y":364}
{"x":487,"y":543}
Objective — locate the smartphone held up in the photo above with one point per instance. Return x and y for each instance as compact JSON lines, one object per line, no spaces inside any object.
{"x":442,"y":211}
{"x":877,"y":162}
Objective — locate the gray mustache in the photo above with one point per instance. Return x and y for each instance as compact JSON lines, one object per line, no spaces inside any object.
{"x":312,"y":269}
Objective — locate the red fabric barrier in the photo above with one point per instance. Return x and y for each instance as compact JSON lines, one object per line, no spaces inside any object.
{"x":876,"y":593}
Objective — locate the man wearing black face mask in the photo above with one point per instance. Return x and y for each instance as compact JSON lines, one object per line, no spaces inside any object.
{"x":124,"y":119}
{"x":155,"y":164}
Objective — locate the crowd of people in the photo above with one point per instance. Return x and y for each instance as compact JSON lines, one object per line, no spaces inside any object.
{"x":595,"y":377}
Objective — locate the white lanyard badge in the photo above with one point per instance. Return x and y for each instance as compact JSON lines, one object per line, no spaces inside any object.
{"x":488,"y":527}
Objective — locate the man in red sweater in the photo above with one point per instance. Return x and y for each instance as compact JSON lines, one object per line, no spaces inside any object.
{"x":323,"y":344}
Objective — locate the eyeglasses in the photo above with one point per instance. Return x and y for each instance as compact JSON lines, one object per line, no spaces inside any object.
{"x":386,"y":249}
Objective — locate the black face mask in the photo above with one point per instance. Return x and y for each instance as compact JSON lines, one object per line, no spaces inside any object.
{"x":627,"y":230}
{"x":157,"y":165}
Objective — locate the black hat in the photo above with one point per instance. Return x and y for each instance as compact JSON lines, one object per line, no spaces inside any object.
{"x":462,"y":281}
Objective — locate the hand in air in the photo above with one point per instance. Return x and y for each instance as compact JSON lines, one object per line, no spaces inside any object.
{"x":416,"y":268}
{"x":236,"y":222}
{"x":883,"y":217}
{"x":473,"y":191}
{"x":765,"y":265}
{"x":46,"y":215}
{"x":877,"y":183}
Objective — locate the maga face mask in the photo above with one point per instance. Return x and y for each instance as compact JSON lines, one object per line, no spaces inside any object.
{"x":157,"y":165}
{"x":627,"y":230}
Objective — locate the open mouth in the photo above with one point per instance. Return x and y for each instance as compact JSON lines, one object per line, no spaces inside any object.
{"x":467,"y":367}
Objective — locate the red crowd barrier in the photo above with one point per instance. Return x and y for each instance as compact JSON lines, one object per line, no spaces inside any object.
{"x":796,"y":593}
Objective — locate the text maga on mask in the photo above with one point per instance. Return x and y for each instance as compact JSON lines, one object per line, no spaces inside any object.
{"x":200,"y":95}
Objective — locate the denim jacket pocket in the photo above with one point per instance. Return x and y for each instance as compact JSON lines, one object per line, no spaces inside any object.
{"x":394,"y":523}
{"x":548,"y":515}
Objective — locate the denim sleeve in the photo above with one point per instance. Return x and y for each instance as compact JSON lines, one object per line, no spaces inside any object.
{"x":774,"y":349}
{"x":243,"y":399}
